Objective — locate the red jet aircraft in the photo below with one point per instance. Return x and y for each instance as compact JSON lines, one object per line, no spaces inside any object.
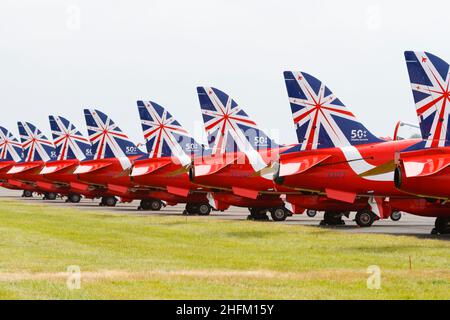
{"x":424,"y":169}
{"x":338,"y":160}
{"x":10,"y":154}
{"x":236,"y":168}
{"x":113,"y":162}
{"x":170,"y":152}
{"x":71,"y":148}
{"x":37,"y":150}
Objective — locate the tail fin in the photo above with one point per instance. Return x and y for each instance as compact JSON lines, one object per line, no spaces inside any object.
{"x":164,"y":135}
{"x":35,"y":144}
{"x":69,"y":142}
{"x":107,"y":140}
{"x":429,"y":77}
{"x":320,"y":118}
{"x":229,"y":128}
{"x":10,"y":147}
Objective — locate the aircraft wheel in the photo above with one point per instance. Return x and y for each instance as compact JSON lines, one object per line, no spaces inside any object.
{"x":27,"y":194}
{"x":50,"y":196}
{"x":279,"y":214}
{"x":144,"y":205}
{"x":258,"y":214}
{"x":156,"y":205}
{"x":204,"y":209}
{"x":74,"y":198}
{"x":396,"y":215}
{"x":311,"y":213}
{"x":150,"y":204}
{"x":364,"y":218}
{"x":332,"y":218}
{"x":190,"y":208}
{"x":442,"y":225}
{"x":109,"y":201}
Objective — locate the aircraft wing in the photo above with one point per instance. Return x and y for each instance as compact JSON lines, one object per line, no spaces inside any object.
{"x":145,"y":167}
{"x":426,"y":164}
{"x":55,"y":167}
{"x":299,"y":164}
{"x":23,"y":167}
{"x":4,"y":165}
{"x":87,"y":168}
{"x":212,"y":166}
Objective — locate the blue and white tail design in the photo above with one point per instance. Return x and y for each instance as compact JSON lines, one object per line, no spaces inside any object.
{"x":429,"y":77}
{"x":69,"y":142}
{"x":164,"y":135}
{"x":229,"y":128}
{"x":36,"y":146}
{"x":10,"y":147}
{"x":320,"y":118}
{"x":107,"y":140}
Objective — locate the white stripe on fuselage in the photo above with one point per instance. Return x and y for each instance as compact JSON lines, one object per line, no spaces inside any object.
{"x":359,"y":165}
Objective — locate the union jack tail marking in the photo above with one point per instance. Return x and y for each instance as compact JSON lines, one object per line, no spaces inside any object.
{"x":230,"y":129}
{"x":35,"y":145}
{"x":429,"y":77}
{"x":320,"y":118}
{"x":10,"y":147}
{"x":68,"y":141}
{"x":164,"y":135}
{"x":107,"y":140}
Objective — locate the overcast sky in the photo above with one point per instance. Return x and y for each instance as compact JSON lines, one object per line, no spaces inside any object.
{"x":58,"y":57}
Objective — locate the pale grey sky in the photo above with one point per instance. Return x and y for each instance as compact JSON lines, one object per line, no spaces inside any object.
{"x":58,"y":57}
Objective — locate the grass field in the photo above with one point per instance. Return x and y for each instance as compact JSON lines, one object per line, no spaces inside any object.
{"x":167,"y":257}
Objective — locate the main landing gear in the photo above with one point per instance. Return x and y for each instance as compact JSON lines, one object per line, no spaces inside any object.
{"x":260,"y":214}
{"x":365,"y":218}
{"x":73,"y":198}
{"x":333,"y":218}
{"x":279,"y":214}
{"x":108,"y":202}
{"x":257,"y":214}
{"x":441,"y":226}
{"x":49,"y":196}
{"x":27,"y":194}
{"x":150,"y":204}
{"x":202,"y":209}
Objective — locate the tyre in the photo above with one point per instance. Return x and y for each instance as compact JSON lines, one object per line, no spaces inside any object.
{"x":332,"y":218}
{"x":279,"y":214}
{"x":74,"y":198}
{"x":364,"y":218}
{"x":146,"y":204}
{"x":258,"y":214}
{"x":311,"y":213}
{"x":50,"y":196}
{"x":156,"y":205}
{"x":396,"y":215}
{"x":190,"y":208}
{"x":109,"y":201}
{"x":442,"y":225}
{"x":27,"y":194}
{"x":204,"y":209}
